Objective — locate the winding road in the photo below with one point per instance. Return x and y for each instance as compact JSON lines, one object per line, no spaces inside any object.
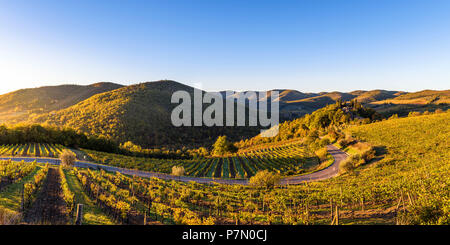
{"x":323,"y":174}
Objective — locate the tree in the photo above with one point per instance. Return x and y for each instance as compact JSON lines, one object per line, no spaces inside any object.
{"x":67,"y":158}
{"x":265,"y":179}
{"x":178,"y":170}
{"x":223,"y":146}
{"x":130,"y":146}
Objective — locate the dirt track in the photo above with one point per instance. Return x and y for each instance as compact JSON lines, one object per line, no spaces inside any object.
{"x":49,"y":207}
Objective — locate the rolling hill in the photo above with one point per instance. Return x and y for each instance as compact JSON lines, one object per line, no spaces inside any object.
{"x":19,"y":105}
{"x":140,"y":113}
{"x":426,"y":100}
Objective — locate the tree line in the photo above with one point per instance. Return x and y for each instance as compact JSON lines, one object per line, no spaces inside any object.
{"x":22,"y":134}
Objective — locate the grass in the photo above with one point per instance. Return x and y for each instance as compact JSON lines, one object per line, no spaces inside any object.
{"x":10,"y":197}
{"x":93,"y":215}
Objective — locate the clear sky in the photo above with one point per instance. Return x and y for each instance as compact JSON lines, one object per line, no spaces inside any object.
{"x":307,"y":45}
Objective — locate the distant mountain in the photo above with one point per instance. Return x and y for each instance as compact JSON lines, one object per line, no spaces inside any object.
{"x":421,"y":97}
{"x":285,"y":95}
{"x":19,"y":105}
{"x":294,"y":104}
{"x":140,"y":113}
{"x":375,"y":95}
{"x":403,"y":103}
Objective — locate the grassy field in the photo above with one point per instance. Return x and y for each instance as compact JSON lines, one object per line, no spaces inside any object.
{"x":10,"y":197}
{"x":93,"y":215}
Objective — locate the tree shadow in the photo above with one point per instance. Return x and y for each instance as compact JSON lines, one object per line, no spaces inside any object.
{"x":380,"y":153}
{"x":380,"y":150}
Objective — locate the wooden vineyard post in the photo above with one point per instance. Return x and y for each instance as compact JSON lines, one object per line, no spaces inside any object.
{"x":145,"y":218}
{"x":79,"y":217}
{"x":362,"y":204}
{"x":335,"y":220}
{"x":331,"y":210}
{"x":337,"y":215}
{"x":22,"y":203}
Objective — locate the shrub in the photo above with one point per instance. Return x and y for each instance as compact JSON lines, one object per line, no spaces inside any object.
{"x":67,"y":158}
{"x":437,"y":111}
{"x":322,"y":154}
{"x":324,"y":142}
{"x":342,"y":143}
{"x":265,"y":179}
{"x":368,"y":154}
{"x":351,"y":163}
{"x":347,"y":166}
{"x":333,"y":135}
{"x":414,"y":113}
{"x":394,"y":116}
{"x":178,"y":170}
{"x":223,"y":146}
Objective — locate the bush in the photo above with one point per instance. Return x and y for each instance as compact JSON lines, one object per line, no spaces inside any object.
{"x":347,"y":166}
{"x":414,"y":113}
{"x":223,"y":146}
{"x":342,"y":143}
{"x":324,"y":142}
{"x":369,"y":154}
{"x":322,"y":154}
{"x":351,"y":163}
{"x":67,"y":158}
{"x":265,"y":179}
{"x":438,"y":111}
{"x":333,"y":135}
{"x":394,"y":116}
{"x":178,"y":170}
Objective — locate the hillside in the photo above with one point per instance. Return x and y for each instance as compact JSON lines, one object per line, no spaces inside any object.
{"x":407,"y":183}
{"x":416,"y":163}
{"x":294,"y":104}
{"x":140,"y":113}
{"x":426,"y":100}
{"x":421,"y":97}
{"x":376,"y":95}
{"x":18,"y":105}
{"x":330,"y":116}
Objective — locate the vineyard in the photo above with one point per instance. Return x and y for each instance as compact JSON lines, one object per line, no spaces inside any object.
{"x":32,"y":150}
{"x":407,"y":184}
{"x":285,"y":160}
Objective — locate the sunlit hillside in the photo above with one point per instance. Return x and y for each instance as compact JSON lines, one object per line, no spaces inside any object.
{"x":19,"y":105}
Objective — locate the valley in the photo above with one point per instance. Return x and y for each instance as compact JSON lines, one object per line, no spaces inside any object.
{"x":342,"y":163}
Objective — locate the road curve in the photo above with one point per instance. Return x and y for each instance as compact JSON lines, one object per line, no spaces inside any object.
{"x":326,"y":173}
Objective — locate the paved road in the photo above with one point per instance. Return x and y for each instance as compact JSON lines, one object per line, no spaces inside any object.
{"x":326,"y":173}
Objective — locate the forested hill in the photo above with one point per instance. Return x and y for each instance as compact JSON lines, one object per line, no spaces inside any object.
{"x":331,"y":116}
{"x":139,"y":113}
{"x":19,"y":105}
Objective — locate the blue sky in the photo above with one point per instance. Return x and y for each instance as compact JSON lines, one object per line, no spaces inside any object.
{"x":309,"y":45}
